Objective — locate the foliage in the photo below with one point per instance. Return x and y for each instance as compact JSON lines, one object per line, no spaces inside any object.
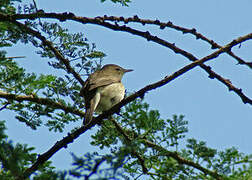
{"x":15,"y":158}
{"x":139,"y":142}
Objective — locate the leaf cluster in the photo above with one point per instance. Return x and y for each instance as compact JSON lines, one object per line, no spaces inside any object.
{"x":15,"y":158}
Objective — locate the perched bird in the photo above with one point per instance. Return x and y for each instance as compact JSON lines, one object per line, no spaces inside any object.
{"x":103,"y":89}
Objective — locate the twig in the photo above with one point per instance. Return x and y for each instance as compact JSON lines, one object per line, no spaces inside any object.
{"x":14,"y":57}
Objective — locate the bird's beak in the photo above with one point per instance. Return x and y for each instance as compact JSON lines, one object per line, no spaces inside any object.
{"x":128,"y":70}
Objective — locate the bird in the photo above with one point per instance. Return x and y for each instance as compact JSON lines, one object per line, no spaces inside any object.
{"x":102,"y":90}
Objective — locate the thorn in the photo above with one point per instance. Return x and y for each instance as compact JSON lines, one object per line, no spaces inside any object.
{"x":228,"y":81}
{"x":197,"y":36}
{"x":147,"y":35}
{"x":70,"y":14}
{"x":193,"y":30}
{"x":169,"y":23}
{"x":211,"y":76}
{"x":162,"y":26}
{"x":136,"y":18}
{"x":142,"y":96}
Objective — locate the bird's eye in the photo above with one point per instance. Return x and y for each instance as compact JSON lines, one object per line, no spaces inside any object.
{"x":118,"y":69}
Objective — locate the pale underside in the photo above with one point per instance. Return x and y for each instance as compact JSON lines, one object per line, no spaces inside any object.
{"x":108,"y":96}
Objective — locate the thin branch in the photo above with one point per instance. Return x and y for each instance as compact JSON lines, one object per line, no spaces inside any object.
{"x":167,"y":153}
{"x":14,"y":57}
{"x":146,"y":35}
{"x":169,"y":24}
{"x":43,"y":101}
{"x":72,"y":136}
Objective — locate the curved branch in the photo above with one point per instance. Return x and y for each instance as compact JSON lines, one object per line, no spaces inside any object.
{"x":146,"y":35}
{"x":169,"y":24}
{"x":72,"y":136}
{"x":43,"y":101}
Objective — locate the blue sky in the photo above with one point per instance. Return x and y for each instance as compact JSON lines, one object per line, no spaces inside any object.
{"x":215,"y":115}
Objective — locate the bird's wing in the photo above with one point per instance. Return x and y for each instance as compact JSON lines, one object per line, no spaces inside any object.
{"x":96,"y":80}
{"x":101,"y":82}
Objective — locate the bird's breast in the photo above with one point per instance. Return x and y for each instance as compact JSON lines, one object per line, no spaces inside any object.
{"x":110,"y":95}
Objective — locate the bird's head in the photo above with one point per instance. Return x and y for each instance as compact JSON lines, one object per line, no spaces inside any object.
{"x":114,"y":70}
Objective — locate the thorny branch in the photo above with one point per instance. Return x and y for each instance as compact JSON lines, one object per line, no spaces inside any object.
{"x":139,"y":94}
{"x":146,"y":35}
{"x":169,"y":24}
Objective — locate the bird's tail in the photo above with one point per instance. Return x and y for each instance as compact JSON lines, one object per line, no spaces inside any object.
{"x":90,"y":107}
{"x":88,"y":116}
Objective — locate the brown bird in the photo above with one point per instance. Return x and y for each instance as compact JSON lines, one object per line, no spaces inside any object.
{"x":103,"y":89}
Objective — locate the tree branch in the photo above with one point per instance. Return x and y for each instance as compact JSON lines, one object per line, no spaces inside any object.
{"x":169,"y":24}
{"x":43,"y":101}
{"x":72,"y":136}
{"x":146,"y":35}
